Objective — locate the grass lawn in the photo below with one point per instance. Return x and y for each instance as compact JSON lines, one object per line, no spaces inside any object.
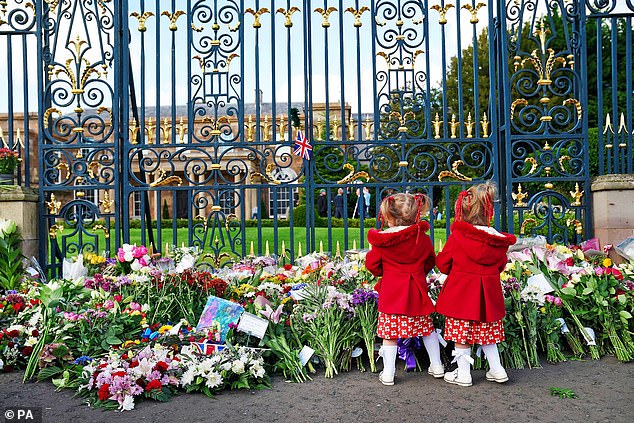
{"x":327,"y":236}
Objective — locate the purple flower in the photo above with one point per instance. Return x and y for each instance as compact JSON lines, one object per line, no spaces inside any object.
{"x":361,"y":296}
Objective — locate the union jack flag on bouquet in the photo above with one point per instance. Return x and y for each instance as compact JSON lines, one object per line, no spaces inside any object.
{"x":302,"y":146}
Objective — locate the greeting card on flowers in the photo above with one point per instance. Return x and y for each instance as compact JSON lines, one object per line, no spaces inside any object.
{"x":218,"y":314}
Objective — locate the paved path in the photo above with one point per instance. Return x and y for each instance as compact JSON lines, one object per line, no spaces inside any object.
{"x":605,"y":390}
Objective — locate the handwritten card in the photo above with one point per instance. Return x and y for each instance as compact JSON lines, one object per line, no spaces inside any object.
{"x":252,"y":324}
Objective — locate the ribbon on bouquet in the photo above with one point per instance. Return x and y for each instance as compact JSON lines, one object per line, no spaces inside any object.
{"x":407,"y":351}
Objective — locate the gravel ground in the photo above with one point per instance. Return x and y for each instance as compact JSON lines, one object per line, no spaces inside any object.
{"x":604,"y":390}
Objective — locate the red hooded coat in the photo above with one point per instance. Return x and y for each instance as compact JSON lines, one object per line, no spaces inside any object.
{"x":473,"y":259}
{"x":403,"y":258}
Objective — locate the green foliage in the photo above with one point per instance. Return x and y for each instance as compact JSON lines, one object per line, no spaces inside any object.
{"x":562,"y":392}
{"x":11,"y":270}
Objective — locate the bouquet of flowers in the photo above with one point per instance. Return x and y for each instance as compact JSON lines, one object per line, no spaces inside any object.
{"x":365,"y":302}
{"x":8,"y":161}
{"x":116,"y":380}
{"x":133,"y":258}
{"x":325,"y":319}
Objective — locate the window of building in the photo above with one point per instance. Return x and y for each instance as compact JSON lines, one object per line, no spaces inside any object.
{"x":281,"y":198}
{"x":136,"y":206}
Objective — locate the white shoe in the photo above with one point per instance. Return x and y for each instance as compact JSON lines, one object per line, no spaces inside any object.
{"x":385,"y":380}
{"x":436,"y":371}
{"x":452,"y":377}
{"x":499,"y":376}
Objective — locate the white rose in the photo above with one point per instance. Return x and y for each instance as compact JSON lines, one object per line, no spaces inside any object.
{"x":135,"y":266}
{"x":127,"y":256}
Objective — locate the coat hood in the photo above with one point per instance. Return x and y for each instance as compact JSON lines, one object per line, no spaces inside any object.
{"x":470,"y":240}
{"x":387,"y":239}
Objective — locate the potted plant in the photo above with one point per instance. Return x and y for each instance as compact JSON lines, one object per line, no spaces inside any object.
{"x":8,"y":162}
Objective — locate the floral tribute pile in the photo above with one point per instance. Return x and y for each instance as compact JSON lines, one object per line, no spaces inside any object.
{"x":123,"y":329}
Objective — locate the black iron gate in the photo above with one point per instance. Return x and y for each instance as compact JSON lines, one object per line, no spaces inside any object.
{"x":169,"y":123}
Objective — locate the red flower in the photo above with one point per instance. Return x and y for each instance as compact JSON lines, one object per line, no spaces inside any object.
{"x":118,"y":298}
{"x":161,"y":366}
{"x":13,"y":334}
{"x":155,"y":384}
{"x":288,"y":266}
{"x":124,"y":356}
{"x":17,"y":307}
{"x":570,"y":261}
{"x":1,"y":306}
{"x":34,"y":301}
{"x":102,"y":365}
{"x":119,"y":373}
{"x":134,"y":363}
{"x":35,"y":332}
{"x":614,"y":272}
{"x":26,"y":351}
{"x":104,"y":392}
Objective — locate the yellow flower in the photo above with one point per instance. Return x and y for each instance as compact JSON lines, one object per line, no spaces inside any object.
{"x":504,"y":276}
{"x":127,"y":344}
{"x":607,"y":262}
{"x":164,"y":329}
{"x":543,"y":310}
{"x":580,"y":255}
{"x":286,"y":299}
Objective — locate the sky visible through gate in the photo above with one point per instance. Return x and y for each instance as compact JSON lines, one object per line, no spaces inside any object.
{"x":281,"y":88}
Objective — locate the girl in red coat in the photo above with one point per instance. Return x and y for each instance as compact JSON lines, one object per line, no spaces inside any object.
{"x":402,"y":255}
{"x":471,"y":297}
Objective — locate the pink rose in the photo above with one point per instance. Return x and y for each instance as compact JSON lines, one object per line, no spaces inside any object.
{"x":558,"y":302}
{"x":108,"y":304}
{"x":139,"y":251}
{"x":599,"y":271}
{"x":121,"y":255}
{"x":135,"y":306}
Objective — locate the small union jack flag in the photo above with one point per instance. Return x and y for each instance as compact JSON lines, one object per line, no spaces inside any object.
{"x":302,"y":146}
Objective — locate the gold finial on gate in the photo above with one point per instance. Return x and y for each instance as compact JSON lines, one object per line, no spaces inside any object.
{"x":474,"y":11}
{"x":576,"y":195}
{"x":469,"y":126}
{"x":357,"y":15}
{"x":519,"y":196}
{"x":256,"y":15}
{"x":453,"y":126}
{"x":288,"y":23}
{"x":325,"y":14}
{"x":250,"y":128}
{"x":142,"y":18}
{"x":485,"y":125}
{"x":173,"y":17}
{"x":437,"y":122}
{"x":442,"y":11}
{"x":106,"y":204}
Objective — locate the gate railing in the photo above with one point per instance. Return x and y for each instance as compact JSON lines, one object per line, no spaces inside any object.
{"x":174,"y":123}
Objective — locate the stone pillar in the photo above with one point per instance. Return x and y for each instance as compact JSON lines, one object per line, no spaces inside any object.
{"x":20,"y":205}
{"x":612,"y":210}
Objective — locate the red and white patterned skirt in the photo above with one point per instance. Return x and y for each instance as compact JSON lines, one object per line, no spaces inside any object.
{"x":471,"y":332}
{"x":394,"y":326}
